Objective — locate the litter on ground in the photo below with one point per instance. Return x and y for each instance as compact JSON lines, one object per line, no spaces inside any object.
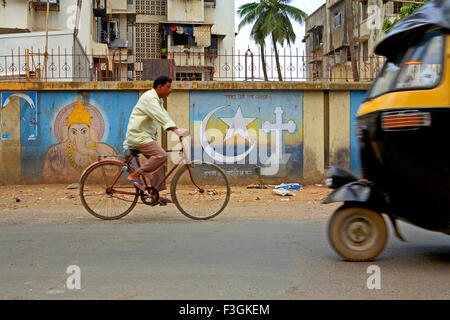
{"x":289,"y":186}
{"x":283,"y":192}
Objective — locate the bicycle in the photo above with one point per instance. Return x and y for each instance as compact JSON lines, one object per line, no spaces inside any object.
{"x":200,"y":190}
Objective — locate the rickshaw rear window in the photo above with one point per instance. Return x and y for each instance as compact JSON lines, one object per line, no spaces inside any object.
{"x":418,"y":67}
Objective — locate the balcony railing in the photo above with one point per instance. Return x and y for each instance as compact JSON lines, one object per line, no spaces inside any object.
{"x":67,"y":65}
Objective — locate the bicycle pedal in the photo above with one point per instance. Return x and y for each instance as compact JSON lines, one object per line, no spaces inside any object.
{"x":146,"y":194}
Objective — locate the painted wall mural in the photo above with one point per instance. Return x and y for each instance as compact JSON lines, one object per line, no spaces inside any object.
{"x":83,"y":127}
{"x":28,"y":111}
{"x":356,"y":99}
{"x":241,"y":131}
{"x":79,"y":129}
{"x":68,"y":130}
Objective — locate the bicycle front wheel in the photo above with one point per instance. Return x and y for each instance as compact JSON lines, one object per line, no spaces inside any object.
{"x":200,"y":191}
{"x":106,"y":192}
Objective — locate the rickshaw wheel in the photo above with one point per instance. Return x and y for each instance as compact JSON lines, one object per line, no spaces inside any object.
{"x":357,"y":234}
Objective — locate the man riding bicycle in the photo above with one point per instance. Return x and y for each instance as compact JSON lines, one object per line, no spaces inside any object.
{"x":145,"y":119}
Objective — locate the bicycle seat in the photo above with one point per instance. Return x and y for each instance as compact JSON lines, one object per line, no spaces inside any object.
{"x":135,"y":152}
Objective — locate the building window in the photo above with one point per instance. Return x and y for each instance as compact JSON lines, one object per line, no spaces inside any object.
{"x":211,"y":2}
{"x":364,"y":50}
{"x":99,"y":4}
{"x":183,"y":40}
{"x":365,"y":10}
{"x":336,"y":58}
{"x":397,"y":7}
{"x":317,"y":38}
{"x":337,"y":19}
{"x":188,"y":76}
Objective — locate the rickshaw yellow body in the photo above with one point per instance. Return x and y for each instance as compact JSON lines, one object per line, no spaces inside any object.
{"x":421,"y":98}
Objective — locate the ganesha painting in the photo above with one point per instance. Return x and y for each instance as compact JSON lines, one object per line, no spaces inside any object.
{"x":79,"y":127}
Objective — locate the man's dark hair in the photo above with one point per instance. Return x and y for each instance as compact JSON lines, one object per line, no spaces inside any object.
{"x":161,"y":80}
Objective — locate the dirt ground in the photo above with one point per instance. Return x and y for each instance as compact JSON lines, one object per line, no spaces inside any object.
{"x":56,"y":203}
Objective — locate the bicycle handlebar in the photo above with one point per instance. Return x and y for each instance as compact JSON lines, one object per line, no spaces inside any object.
{"x":181,"y":137}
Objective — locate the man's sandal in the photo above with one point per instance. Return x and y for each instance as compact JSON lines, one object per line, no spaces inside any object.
{"x":164,"y":201}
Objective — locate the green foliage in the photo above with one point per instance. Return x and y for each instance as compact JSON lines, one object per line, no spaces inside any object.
{"x":405,"y":11}
{"x":388,"y":24}
{"x":271,"y":18}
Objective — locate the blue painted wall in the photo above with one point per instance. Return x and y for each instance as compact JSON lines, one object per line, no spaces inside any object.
{"x":47,"y":157}
{"x":235,"y":121}
{"x":356,"y":99}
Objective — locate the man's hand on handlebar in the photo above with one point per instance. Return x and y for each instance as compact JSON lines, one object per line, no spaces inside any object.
{"x":182,"y":132}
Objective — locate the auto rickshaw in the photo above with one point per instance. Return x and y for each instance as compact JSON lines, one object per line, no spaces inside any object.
{"x":403,"y":135}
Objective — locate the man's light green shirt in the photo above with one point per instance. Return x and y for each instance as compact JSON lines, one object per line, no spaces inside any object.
{"x":145,"y":119}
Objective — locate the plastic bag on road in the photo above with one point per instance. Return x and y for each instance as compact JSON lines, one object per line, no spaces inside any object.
{"x":283,"y":192}
{"x":289,"y":186}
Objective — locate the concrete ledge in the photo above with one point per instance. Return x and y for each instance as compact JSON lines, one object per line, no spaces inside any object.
{"x":184,"y":85}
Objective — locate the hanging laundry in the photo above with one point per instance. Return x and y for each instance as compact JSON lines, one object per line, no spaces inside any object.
{"x":202,"y":35}
{"x":191,"y":41}
{"x":180,"y":29}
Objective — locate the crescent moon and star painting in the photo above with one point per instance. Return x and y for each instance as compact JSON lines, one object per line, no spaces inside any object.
{"x":29,"y":114}
{"x":239,"y":131}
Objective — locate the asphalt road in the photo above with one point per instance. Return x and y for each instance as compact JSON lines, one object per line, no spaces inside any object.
{"x":217,"y":259}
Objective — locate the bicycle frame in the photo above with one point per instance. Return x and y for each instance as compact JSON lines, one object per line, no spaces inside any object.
{"x":133,"y":155}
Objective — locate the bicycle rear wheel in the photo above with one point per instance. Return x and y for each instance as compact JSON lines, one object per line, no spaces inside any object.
{"x":207,"y":197}
{"x":105,"y":191}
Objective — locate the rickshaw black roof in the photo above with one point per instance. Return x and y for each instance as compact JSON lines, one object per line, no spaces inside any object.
{"x":407,"y":30}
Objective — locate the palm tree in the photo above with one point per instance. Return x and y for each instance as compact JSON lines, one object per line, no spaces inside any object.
{"x":249,"y":14}
{"x":272,"y":17}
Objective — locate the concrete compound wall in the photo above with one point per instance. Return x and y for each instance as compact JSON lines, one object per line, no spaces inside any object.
{"x":49,"y":132}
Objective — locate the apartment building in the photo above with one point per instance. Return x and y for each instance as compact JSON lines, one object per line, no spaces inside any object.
{"x":182,"y":37}
{"x":316,"y":44}
{"x":115,"y":39}
{"x":24,"y":26}
{"x":328,"y":44}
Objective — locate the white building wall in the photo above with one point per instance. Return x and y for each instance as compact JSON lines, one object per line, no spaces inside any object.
{"x":222,"y":18}
{"x":15,"y":15}
{"x":118,"y":5}
{"x":65,"y":18}
{"x":62,"y":66}
{"x":186,"y":11}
